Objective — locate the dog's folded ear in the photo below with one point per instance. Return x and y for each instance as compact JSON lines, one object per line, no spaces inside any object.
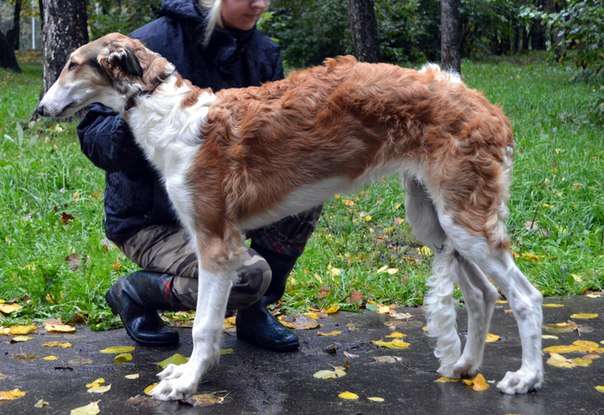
{"x":120,"y":62}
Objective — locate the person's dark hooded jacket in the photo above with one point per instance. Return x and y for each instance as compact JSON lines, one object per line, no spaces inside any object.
{"x":134,"y":195}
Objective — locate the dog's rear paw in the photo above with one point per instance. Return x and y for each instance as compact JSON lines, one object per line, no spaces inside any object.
{"x":520,"y":382}
{"x":464,"y":368}
{"x":178,"y":382}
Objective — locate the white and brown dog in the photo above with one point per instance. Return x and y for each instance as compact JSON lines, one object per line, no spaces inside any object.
{"x":244,"y":158}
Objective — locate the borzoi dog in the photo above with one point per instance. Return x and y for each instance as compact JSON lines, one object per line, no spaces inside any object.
{"x":243,"y":158}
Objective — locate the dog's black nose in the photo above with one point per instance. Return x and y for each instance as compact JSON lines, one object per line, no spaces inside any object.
{"x":41,"y":111}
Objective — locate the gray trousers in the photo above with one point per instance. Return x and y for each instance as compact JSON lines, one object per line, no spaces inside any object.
{"x":166,"y":250}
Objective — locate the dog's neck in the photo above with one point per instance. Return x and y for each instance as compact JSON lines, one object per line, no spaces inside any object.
{"x":167,"y":124}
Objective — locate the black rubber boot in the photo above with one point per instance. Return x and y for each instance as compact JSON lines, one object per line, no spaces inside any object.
{"x":256,"y":324}
{"x":136,"y":299}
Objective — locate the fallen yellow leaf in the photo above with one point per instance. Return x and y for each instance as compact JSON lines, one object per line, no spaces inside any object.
{"x":50,"y":358}
{"x":227,"y":350}
{"x":446,"y":379}
{"x":557,"y":360}
{"x":11,"y":395}
{"x":41,"y":404}
{"x":584,"y":316}
{"x":564,"y":327}
{"x":54,"y":327}
{"x":387,"y":359}
{"x":149,"y":389}
{"x":492,"y":338}
{"x":10,"y":308}
{"x":21,"y":330}
{"x":123,"y":357}
{"x":478,"y":383}
{"x":229,"y":322}
{"x":100,"y":389}
{"x":132,"y":376}
{"x":375,"y":399}
{"x":581,"y":361}
{"x":312,"y":314}
{"x":599,"y":388}
{"x":338,"y":372}
{"x":396,"y":335}
{"x":394,"y":344}
{"x":329,"y":333}
{"x":578,"y":346}
{"x":91,"y":409}
{"x":20,"y":339}
{"x":117,"y":349}
{"x":501,"y":302}
{"x":62,"y":345}
{"x":549,"y":337}
{"x":95,"y":383}
{"x":348,"y":396}
{"x":383,"y":309}
{"x":332,"y":309}
{"x":425,"y":251}
{"x":552,"y":305}
{"x":175,"y":359}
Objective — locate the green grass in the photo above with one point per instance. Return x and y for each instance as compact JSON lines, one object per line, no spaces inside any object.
{"x":558,"y":178}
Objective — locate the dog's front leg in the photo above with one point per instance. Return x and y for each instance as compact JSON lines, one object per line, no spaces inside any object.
{"x":181,"y":381}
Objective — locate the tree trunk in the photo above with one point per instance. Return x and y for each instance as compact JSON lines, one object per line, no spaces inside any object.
{"x":41,"y":9}
{"x":14,"y":33}
{"x":8,"y":59}
{"x":450,"y":35}
{"x":363,"y":25}
{"x":65,"y":29}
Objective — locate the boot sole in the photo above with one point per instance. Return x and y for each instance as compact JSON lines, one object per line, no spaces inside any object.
{"x":113,"y":305}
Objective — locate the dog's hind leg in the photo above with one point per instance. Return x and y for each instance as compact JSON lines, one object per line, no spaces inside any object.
{"x":219,"y":258}
{"x":525,"y":301}
{"x":479,"y":298}
{"x":439,"y":303}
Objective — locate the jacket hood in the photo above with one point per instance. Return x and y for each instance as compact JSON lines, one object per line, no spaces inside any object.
{"x":183,"y":10}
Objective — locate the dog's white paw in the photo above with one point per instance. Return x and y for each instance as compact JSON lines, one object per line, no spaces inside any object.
{"x":178,"y":382}
{"x":464,"y":368}
{"x":520,"y":382}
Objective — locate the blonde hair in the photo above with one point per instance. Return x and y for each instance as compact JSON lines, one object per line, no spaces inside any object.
{"x":213,"y":18}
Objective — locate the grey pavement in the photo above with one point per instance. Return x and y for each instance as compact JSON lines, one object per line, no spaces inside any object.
{"x":261,"y":382}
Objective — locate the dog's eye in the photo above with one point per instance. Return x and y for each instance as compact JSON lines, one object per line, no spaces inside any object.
{"x":72,"y":65}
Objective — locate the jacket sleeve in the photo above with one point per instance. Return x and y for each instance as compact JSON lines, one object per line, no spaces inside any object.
{"x":277,"y":66}
{"x":106,"y":140}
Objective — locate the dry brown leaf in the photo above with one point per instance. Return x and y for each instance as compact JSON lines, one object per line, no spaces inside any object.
{"x":10,"y":308}
{"x":356,"y":297}
{"x":58,"y":327}
{"x":207,"y":399}
{"x":593,"y":295}
{"x":400,"y":316}
{"x":11,"y":395}
{"x":62,"y":345}
{"x":66,"y":218}
{"x":91,"y":409}
{"x":299,"y":322}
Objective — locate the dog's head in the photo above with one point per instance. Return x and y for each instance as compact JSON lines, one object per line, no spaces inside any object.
{"x":110,"y":70}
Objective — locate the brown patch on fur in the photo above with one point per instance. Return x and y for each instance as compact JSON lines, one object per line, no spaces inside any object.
{"x":341,"y":119}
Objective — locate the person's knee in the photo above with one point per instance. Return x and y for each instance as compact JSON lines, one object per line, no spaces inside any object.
{"x":253,"y":279}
